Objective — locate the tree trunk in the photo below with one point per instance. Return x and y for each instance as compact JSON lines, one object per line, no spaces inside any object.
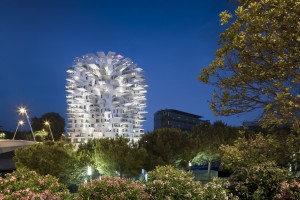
{"x":209,"y":170}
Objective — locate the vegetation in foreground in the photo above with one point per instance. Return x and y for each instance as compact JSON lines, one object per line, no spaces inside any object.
{"x":165,"y":182}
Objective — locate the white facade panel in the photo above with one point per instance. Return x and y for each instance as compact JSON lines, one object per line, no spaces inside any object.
{"x":105,"y":98}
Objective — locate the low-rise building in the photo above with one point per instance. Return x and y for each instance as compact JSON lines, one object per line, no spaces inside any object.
{"x":171,"y":118}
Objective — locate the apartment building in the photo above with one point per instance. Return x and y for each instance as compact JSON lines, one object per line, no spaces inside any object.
{"x":105,"y":98}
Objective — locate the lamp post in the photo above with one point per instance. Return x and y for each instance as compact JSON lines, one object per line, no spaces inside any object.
{"x":19,"y":123}
{"x":22,"y":111}
{"x":48,"y":124}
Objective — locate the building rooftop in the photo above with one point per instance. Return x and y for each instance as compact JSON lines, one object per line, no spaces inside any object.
{"x":180,"y":112}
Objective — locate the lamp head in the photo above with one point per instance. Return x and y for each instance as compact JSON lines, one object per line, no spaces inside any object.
{"x":22,"y":110}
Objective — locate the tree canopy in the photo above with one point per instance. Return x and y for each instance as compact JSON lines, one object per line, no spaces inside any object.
{"x":57,"y":159}
{"x":56,"y":123}
{"x":245,"y":153}
{"x":257,"y":65}
{"x":207,"y":138}
{"x":118,"y":157}
{"x":167,"y":146}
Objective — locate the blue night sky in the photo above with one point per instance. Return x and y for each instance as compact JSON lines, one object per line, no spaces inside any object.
{"x":170,"y":39}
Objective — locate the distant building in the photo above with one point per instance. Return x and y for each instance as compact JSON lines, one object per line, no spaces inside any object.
{"x":170,"y":118}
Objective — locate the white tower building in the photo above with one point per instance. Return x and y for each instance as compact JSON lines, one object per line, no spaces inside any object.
{"x":105,"y":98}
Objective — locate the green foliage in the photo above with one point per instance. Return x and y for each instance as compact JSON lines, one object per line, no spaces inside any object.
{"x":25,"y":184}
{"x":250,"y":152}
{"x":217,"y":189}
{"x":57,"y":159}
{"x":118,"y":156}
{"x":206,"y":140}
{"x":205,"y":157}
{"x":57,"y":125}
{"x":257,"y":65}
{"x":41,"y":135}
{"x":166,"y":182}
{"x":112,"y":188}
{"x":208,"y":137}
{"x":293,"y":148}
{"x":260,"y":181}
{"x":166,"y":146}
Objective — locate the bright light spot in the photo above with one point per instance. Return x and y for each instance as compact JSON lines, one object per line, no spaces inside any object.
{"x":22,"y":110}
{"x":89,"y":170}
{"x":21,"y":122}
{"x":46,"y":123}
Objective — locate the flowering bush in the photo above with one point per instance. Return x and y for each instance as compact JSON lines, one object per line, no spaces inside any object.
{"x":112,"y":188}
{"x":217,"y":189}
{"x":258,"y":182}
{"x":289,"y":191}
{"x":166,"y":182}
{"x":25,"y":184}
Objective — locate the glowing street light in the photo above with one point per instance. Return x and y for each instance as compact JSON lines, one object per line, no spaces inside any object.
{"x":89,"y":172}
{"x":22,"y":111}
{"x":48,"y":124}
{"x":19,"y":123}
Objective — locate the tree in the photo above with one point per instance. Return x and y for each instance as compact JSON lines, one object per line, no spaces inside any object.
{"x":56,"y":123}
{"x":41,"y":135}
{"x":257,"y":65}
{"x":207,"y":140}
{"x":293,"y":148}
{"x":167,"y":146}
{"x":118,"y":155}
{"x":261,"y":181}
{"x":245,"y":153}
{"x":57,"y":159}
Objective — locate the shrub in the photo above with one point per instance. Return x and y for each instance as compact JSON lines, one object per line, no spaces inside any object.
{"x":25,"y":184}
{"x":112,"y":188}
{"x":166,"y":182}
{"x":57,"y":159}
{"x":289,"y":191}
{"x":217,"y":189}
{"x":258,"y":182}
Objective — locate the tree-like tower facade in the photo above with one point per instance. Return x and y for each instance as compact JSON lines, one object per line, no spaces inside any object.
{"x":105,"y":98}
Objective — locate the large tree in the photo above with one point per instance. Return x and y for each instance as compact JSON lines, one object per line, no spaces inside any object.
{"x":56,"y":124}
{"x":257,"y":65}
{"x":119,"y":157}
{"x":246,"y":153}
{"x":207,"y":140}
{"x":167,"y":146}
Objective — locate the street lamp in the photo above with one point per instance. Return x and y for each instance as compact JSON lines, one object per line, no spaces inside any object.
{"x":22,"y":111}
{"x":48,"y":124}
{"x":19,"y":123}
